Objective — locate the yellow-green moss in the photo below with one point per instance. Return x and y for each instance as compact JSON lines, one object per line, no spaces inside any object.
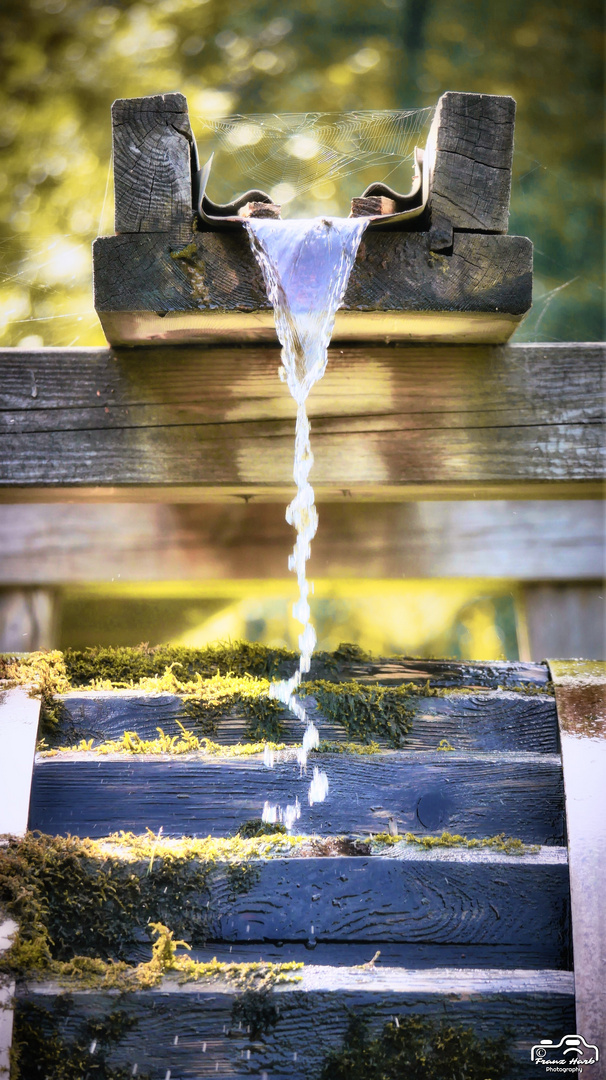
{"x":76,"y":900}
{"x":506,"y":844}
{"x":365,"y":749}
{"x":185,"y":743}
{"x":444,"y":745}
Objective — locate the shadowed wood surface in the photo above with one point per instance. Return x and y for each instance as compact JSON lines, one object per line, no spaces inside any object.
{"x":493,"y":720}
{"x":387,"y":423}
{"x":63,"y":543}
{"x":476,"y":795}
{"x":314,"y":1015}
{"x":469,"y":157}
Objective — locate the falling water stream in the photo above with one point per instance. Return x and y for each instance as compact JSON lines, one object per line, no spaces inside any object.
{"x":306,"y":266}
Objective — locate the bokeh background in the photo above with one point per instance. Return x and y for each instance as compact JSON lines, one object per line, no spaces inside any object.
{"x":62,"y":62}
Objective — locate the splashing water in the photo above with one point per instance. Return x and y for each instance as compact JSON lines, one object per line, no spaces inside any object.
{"x":306,"y":266}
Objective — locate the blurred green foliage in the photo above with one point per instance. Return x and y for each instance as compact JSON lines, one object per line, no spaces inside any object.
{"x":62,"y":62}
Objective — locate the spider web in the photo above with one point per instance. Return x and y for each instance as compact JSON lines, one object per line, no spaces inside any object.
{"x":311,"y":163}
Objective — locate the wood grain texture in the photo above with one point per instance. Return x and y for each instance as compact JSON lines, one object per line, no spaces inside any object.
{"x":314,"y":1015}
{"x":385,"y":421}
{"x":476,"y":795}
{"x":493,"y":720}
{"x":581,"y":700}
{"x":152,"y":148}
{"x":469,"y":156}
{"x":393,"y":272}
{"x":509,"y":902}
{"x":547,"y":541}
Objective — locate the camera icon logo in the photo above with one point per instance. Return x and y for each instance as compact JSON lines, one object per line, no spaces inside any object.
{"x":568,"y":1044}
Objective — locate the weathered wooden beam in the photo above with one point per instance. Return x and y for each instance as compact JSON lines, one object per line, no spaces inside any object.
{"x":580,"y":688}
{"x":469,"y":156}
{"x":387,"y":423}
{"x":153,"y":151}
{"x":475,"y":794}
{"x":149,"y":288}
{"x":548,"y":541}
{"x":565,"y":618}
{"x":480,"y":720}
{"x":312,"y":1017}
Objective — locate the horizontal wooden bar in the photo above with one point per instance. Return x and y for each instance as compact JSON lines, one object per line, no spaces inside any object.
{"x":492,"y":720}
{"x":64,"y":543}
{"x":190,"y":1029}
{"x":476,"y":794}
{"x":397,"y":422}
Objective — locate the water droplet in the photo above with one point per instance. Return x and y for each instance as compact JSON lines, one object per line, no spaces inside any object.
{"x":93,"y":1046}
{"x":176,"y":1040}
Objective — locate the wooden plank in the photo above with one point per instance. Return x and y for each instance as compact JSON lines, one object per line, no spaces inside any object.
{"x":27,"y":619}
{"x":149,"y":287}
{"x":465,"y":898}
{"x":476,"y":795}
{"x":416,"y":956}
{"x":492,"y":720}
{"x":152,"y":149}
{"x":581,"y":701}
{"x":19,"y":715}
{"x":566,"y":619}
{"x":188,"y":1030}
{"x":62,"y":543}
{"x":469,"y":156}
{"x":387,"y":423}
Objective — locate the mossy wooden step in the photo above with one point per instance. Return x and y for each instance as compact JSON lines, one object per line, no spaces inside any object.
{"x":476,"y":794}
{"x":480,"y":720}
{"x":194,"y":1031}
{"x":467,"y":898}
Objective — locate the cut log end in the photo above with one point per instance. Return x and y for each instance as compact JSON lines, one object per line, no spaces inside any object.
{"x":372,"y":206}
{"x":260,"y":210}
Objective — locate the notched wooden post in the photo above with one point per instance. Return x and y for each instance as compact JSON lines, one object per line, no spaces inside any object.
{"x":468,"y":161}
{"x":153,"y":151}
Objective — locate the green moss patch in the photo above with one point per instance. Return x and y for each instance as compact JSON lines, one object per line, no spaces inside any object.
{"x":42,"y":1049}
{"x":76,"y":900}
{"x":365,"y":710}
{"x":417,"y":1048}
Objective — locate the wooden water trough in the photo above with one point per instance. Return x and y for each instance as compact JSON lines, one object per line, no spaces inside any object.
{"x":480,"y":936}
{"x":173,"y":275}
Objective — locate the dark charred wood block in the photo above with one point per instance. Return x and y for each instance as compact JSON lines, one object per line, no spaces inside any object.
{"x":370,"y":205}
{"x":475,"y":794}
{"x":153,"y":151}
{"x":469,"y":156}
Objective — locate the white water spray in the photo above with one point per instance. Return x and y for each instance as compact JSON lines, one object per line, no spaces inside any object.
{"x":306,"y":267}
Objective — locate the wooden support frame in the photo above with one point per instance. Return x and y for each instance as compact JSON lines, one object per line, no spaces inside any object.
{"x":581,"y":703}
{"x":389,"y":424}
{"x":454,"y":277}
